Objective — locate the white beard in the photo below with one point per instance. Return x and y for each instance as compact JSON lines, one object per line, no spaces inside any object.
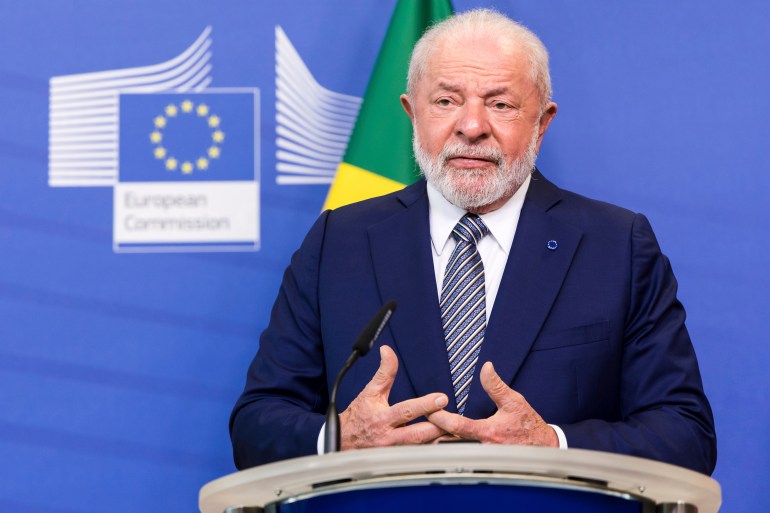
{"x":471,"y":189}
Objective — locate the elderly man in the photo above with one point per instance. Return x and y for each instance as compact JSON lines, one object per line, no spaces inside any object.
{"x":527,"y":314}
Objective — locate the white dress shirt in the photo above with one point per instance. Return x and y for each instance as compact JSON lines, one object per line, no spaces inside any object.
{"x":493,"y":248}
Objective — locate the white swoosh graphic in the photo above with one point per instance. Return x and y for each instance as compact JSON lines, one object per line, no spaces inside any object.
{"x":83,"y":112}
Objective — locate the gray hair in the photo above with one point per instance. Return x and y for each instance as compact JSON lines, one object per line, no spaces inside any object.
{"x":483,"y":21}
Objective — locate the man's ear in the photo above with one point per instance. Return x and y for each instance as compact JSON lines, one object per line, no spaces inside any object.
{"x":406,"y":103}
{"x":545,"y":119}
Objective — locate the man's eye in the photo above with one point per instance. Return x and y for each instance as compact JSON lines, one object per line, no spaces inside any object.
{"x":501,"y":106}
{"x":444,"y":102}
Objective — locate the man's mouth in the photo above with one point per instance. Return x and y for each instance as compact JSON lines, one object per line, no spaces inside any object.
{"x":470,"y":162}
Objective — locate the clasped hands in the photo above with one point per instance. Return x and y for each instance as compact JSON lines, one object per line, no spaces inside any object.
{"x":370,"y":420}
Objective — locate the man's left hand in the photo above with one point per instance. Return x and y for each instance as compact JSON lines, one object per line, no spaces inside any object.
{"x":515,"y":421}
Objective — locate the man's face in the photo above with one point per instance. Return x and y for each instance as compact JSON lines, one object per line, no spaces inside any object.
{"x":477,"y":121}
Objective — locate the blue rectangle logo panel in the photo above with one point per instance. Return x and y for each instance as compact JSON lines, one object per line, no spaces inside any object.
{"x":187,"y":137}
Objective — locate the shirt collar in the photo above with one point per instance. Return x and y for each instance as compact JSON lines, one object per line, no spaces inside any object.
{"x":502,"y":222}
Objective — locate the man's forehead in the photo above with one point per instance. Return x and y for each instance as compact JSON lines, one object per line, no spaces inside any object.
{"x":476,"y":52}
{"x":478,"y":42}
{"x":483,"y":59}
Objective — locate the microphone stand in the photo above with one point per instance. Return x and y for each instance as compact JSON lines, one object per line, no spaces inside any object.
{"x":362,"y":345}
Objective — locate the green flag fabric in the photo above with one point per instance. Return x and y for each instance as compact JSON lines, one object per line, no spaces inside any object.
{"x":379,"y":157}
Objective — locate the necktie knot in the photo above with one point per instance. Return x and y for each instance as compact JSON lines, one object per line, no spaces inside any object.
{"x":470,"y":229}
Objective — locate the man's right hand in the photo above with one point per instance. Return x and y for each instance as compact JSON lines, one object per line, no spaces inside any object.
{"x":370,"y":421}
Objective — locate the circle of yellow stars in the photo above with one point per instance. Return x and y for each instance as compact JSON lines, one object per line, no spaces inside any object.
{"x":187,"y":107}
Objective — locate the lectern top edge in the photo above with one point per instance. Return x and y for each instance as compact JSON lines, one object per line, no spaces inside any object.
{"x":658,"y":482}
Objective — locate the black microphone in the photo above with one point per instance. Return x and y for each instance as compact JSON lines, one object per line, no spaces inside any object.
{"x":361,"y":346}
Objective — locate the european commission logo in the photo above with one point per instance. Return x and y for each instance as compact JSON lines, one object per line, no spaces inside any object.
{"x":187,"y":171}
{"x":182,"y":158}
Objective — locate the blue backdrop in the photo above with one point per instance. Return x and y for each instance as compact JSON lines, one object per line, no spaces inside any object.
{"x":118,"y":371}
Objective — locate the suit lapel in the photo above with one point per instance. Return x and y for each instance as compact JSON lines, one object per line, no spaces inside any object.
{"x":531,"y":281}
{"x":403,"y":266}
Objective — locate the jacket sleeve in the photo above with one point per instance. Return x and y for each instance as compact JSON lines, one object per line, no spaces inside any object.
{"x":280,"y":413}
{"x":665,"y":413}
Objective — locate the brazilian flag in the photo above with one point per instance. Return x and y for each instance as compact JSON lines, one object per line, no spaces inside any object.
{"x":379,"y":157}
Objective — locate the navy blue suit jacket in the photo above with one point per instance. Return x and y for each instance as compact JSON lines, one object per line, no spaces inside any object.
{"x":591,"y":333}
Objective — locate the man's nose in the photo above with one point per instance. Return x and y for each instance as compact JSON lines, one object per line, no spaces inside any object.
{"x":473,"y":123}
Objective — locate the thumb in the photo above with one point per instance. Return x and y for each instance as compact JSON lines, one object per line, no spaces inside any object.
{"x":495,"y":387}
{"x":383,"y":379}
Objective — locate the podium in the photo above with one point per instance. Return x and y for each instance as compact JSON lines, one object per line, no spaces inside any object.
{"x":461,"y":476}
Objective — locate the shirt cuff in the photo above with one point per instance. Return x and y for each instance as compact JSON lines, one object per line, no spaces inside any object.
{"x":559,"y":434}
{"x":320,"y":442}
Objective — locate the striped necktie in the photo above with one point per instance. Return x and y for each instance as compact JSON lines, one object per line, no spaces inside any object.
{"x":463,"y":305}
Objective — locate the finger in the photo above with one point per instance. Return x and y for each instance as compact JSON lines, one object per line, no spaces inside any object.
{"x":411,"y":409}
{"x":445,"y":438}
{"x":503,"y":396}
{"x":382,"y":381}
{"x":418,"y":433}
{"x":455,"y":424}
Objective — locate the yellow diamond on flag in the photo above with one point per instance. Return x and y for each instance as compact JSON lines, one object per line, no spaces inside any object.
{"x":171,"y":164}
{"x":202,"y":164}
{"x":171,"y":110}
{"x":187,"y":106}
{"x":159,"y":152}
{"x":160,"y":122}
{"x":214,"y":152}
{"x":218,"y":136}
{"x":187,"y":167}
{"x":214,"y":121}
{"x":202,"y":110}
{"x":156,"y":137}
